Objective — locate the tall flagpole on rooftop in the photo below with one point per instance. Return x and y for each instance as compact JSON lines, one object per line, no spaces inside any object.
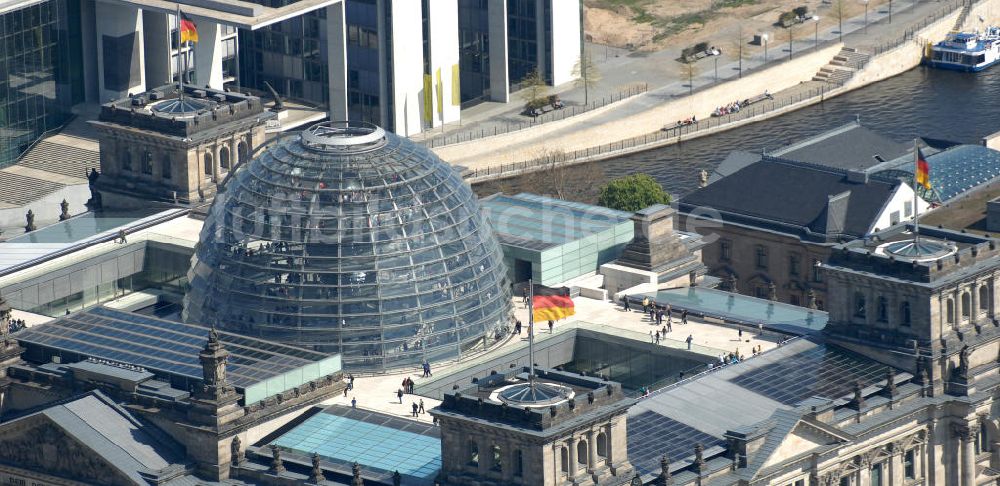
{"x":531,"y":336}
{"x":180,"y":72}
{"x":916,"y":206}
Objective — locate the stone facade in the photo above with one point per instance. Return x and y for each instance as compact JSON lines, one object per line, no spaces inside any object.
{"x":147,"y":156}
{"x":579,"y":441}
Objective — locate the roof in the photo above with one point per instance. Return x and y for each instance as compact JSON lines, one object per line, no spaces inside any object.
{"x":125,"y":443}
{"x":955,"y":170}
{"x":700,"y":410}
{"x":736,"y":160}
{"x":237,"y":13}
{"x":537,"y":222}
{"x":851,"y":146}
{"x":170,"y":349}
{"x":806,"y":200}
{"x":380,"y":443}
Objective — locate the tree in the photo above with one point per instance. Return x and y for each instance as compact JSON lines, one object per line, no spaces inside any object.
{"x":632,"y":193}
{"x":739,"y":47}
{"x":587,"y":74}
{"x":534,"y":91}
{"x":689,"y":71}
{"x":839,"y":9}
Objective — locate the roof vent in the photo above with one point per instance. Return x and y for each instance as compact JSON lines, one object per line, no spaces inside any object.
{"x":198,"y":93}
{"x":857,"y":176}
{"x":138,"y":100}
{"x":221,"y":98}
{"x":155,"y":95}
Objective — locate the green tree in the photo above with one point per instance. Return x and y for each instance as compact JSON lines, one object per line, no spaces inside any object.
{"x":534,"y":91}
{"x":632,"y":193}
{"x":587,"y":75}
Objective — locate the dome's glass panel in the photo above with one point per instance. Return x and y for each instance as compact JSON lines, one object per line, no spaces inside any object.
{"x":349,"y":239}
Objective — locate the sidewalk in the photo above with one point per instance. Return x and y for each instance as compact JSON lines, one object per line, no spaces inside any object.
{"x":646,"y":113}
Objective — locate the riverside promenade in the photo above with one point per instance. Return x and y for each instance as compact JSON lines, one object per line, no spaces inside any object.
{"x":635,"y":124}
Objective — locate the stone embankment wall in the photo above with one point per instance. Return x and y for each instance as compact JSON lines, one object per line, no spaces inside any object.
{"x":554,"y":136}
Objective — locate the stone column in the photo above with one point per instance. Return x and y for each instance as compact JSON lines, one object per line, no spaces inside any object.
{"x":591,"y":451}
{"x":571,"y":467}
{"x":967,"y":454}
{"x":556,"y":462}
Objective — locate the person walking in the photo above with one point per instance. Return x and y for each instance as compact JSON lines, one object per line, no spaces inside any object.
{"x":415,"y":409}
{"x":551,"y":325}
{"x":524,"y":297}
{"x":652,"y":340}
{"x":625,"y":303}
{"x":688,"y":341}
{"x":645,"y":305}
{"x":740,"y":331}
{"x":684,"y":316}
{"x":760,"y":329}
{"x":399,"y":393}
{"x":664,"y":332}
{"x":354,"y":402}
{"x":517,"y":328}
{"x":345,"y":391}
{"x":657,"y":337}
{"x":350,"y":381}
{"x":421,"y":409}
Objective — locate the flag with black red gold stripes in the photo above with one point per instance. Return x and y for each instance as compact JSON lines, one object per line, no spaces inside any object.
{"x":551,"y":304}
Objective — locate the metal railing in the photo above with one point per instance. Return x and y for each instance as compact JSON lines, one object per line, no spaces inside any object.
{"x":554,"y":115}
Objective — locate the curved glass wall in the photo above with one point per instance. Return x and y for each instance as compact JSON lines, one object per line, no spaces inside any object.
{"x":349,"y":239}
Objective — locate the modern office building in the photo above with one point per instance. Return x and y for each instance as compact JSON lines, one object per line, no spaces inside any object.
{"x":406,"y":65}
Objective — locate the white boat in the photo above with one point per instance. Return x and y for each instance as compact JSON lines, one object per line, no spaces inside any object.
{"x":964,"y":51}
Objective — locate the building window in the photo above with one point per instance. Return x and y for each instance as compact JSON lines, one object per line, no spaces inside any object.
{"x":984,"y":298}
{"x":761,"y":257}
{"x":908,"y":208}
{"x":761,"y":292}
{"x":518,"y":463}
{"x":224,"y":158}
{"x":497,"y":463}
{"x":983,"y":444}
{"x":966,"y":305}
{"x":794,"y":300}
{"x":817,"y":276}
{"x":894,"y":217}
{"x":242,"y":152}
{"x":859,"y":305}
{"x":127,"y":161}
{"x":147,"y":163}
{"x":793,"y":265}
{"x":725,"y":250}
{"x":581,"y":452}
{"x":876,"y":475}
{"x":845,"y":481}
{"x":950,"y":311}
{"x":167,"y":168}
{"x":564,"y":459}
{"x":602,"y":445}
{"x":883,"y":309}
{"x":909,"y":464}
{"x":819,"y":305}
{"x":904,"y":314}
{"x":208,"y":165}
{"x":473,"y":454}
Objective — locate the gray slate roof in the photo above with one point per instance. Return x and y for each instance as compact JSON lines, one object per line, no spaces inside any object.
{"x":851,"y":146}
{"x":794,"y":198}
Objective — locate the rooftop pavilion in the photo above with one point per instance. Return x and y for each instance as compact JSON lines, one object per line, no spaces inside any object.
{"x":236,"y":13}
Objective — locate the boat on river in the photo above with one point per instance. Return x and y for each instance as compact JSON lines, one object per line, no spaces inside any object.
{"x":965,"y":51}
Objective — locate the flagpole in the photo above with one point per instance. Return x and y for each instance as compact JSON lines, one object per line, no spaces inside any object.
{"x":916,"y":210}
{"x":531,"y":335}
{"x":180,"y":72}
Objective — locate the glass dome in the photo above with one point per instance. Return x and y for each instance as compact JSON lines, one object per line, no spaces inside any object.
{"x":348,"y":239}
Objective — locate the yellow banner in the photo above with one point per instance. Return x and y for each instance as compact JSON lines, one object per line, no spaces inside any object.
{"x":456,"y":93}
{"x":440,"y":92}
{"x":428,"y":101}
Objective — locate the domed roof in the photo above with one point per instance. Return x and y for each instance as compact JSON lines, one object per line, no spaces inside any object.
{"x":345,"y":238}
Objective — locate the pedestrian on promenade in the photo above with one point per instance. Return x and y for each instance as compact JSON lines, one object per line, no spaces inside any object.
{"x":740,"y":330}
{"x":354,"y":402}
{"x":688,"y":340}
{"x":651,"y":339}
{"x":645,"y":305}
{"x":524,"y":296}
{"x":350,"y":381}
{"x":657,"y":337}
{"x":625,"y":302}
{"x":415,"y":409}
{"x":345,"y":391}
{"x":517,"y":328}
{"x":421,"y":410}
{"x":399,"y":394}
{"x":664,"y":332}
{"x":760,"y":329}
{"x":684,"y":316}
{"x":551,"y":325}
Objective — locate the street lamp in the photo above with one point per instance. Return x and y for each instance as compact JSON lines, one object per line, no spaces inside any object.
{"x":763,"y":40}
{"x":890,"y":11}
{"x":816,"y":38}
{"x":791,"y":34}
{"x":866,"y":14}
{"x":716,"y":69}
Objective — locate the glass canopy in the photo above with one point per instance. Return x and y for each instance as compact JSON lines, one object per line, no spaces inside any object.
{"x":743,"y":309}
{"x":349,"y":239}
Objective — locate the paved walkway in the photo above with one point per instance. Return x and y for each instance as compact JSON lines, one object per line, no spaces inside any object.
{"x":379,"y":392}
{"x":634,"y":117}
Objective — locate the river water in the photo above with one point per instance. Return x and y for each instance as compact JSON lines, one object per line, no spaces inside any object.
{"x":961,"y":107}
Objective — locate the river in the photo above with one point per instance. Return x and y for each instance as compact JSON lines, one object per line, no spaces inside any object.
{"x":961,"y":107}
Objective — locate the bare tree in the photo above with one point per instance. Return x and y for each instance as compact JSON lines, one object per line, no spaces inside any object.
{"x":840,"y":9}
{"x":587,"y":74}
{"x":739,"y":44}
{"x":534,"y":91}
{"x":689,"y":70}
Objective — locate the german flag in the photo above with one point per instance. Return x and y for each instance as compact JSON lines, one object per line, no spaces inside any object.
{"x":923,"y":172}
{"x":189,"y":31}
{"x":551,"y":304}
